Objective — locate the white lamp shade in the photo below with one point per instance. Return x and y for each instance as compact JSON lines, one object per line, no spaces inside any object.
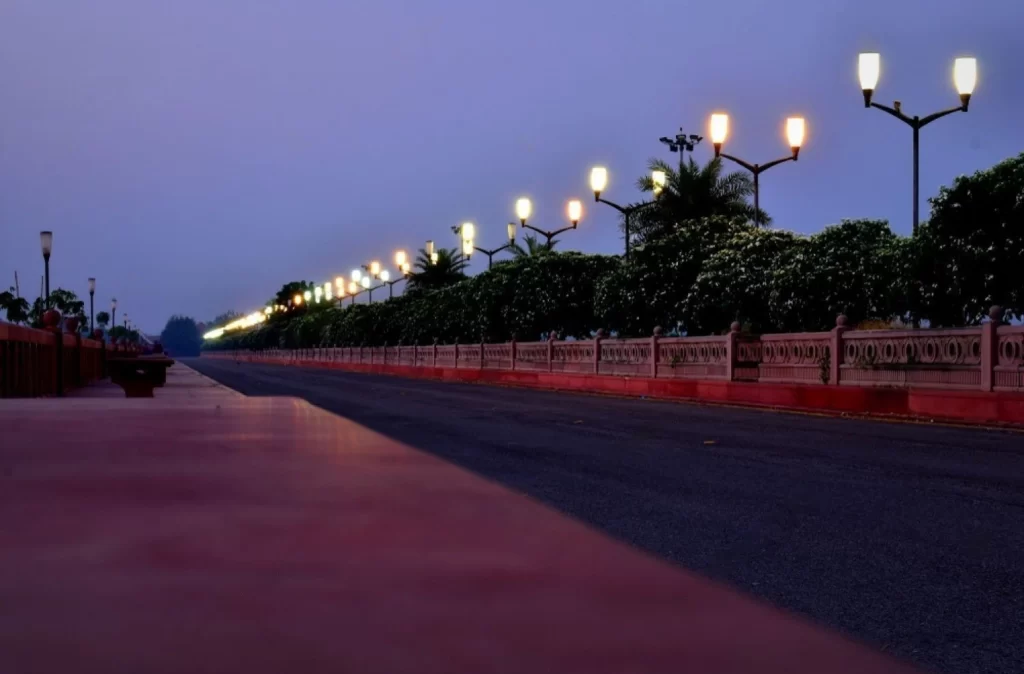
{"x":46,"y":242}
{"x":719,"y":127}
{"x":356,"y":275}
{"x":658,"y":181}
{"x":365,"y":281}
{"x":524,"y":208}
{"x":598,"y":179}
{"x":400,"y":258}
{"x":795,"y":130}
{"x":375,"y":268}
{"x":384,"y":275}
{"x":511,"y":231}
{"x":965,"y":75}
{"x":468,"y":231}
{"x":574,"y":209}
{"x":92,"y":285}
{"x":869,"y":66}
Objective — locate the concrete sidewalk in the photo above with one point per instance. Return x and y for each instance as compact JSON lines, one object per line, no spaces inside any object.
{"x":183,"y":383}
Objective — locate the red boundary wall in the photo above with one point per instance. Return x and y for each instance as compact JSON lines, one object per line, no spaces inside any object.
{"x":975,"y":407}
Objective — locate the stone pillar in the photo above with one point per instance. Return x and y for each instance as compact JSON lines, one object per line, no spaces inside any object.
{"x":513,"y":352}
{"x":836,"y":350}
{"x":990,"y":347}
{"x":731,"y":342}
{"x":433,"y":358}
{"x":551,"y":350}
{"x":654,"y":351}
{"x":456,"y":354}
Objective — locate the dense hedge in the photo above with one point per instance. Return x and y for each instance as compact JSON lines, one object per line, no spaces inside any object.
{"x":527,"y":298}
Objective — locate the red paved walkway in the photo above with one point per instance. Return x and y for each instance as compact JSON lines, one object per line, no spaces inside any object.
{"x":265,"y":535}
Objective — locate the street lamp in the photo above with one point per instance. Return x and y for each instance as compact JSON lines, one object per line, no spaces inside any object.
{"x":46,"y":243}
{"x":469,"y":245}
{"x":965,"y":77}
{"x":113,"y":312}
{"x":297,"y":300}
{"x":307,"y":296}
{"x":795,"y":131}
{"x":681,"y":144}
{"x":573,"y":209}
{"x":599,"y":181}
{"x":92,"y":293}
{"x":431,"y":253}
{"x":403,"y":266}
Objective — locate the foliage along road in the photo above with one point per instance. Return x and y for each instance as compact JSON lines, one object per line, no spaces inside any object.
{"x":909,"y":537}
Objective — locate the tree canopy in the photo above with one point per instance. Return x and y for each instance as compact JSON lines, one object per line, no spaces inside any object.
{"x":180,"y":336}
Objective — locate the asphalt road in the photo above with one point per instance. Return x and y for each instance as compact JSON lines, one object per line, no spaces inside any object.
{"x":909,"y":537}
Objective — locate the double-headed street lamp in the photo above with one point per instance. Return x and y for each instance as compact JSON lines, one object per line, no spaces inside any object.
{"x":965,"y":77}
{"x":92,"y":293}
{"x":402,"y":262}
{"x":599,"y":181}
{"x":46,"y":243}
{"x":366,"y":280}
{"x":467,"y":232}
{"x":574,"y":211}
{"x":795,"y":130}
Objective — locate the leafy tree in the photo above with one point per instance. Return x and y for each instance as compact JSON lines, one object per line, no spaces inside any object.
{"x":119,"y":332}
{"x":737,"y":281}
{"x":970,"y":253}
{"x":181,"y":336}
{"x":858,"y":268}
{"x":288,"y":292}
{"x":534,"y":247}
{"x":651,"y":289}
{"x":16,"y":308}
{"x":102,"y":319}
{"x":225,"y":318}
{"x":64,"y":301}
{"x":427,"y":275}
{"x":692,"y":192}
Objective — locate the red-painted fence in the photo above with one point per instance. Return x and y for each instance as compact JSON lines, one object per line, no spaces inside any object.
{"x":47,"y":363}
{"x":989,"y":357}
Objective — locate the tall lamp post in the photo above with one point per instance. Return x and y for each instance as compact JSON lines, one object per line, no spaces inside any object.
{"x":46,"y":243}
{"x":92,"y":293}
{"x":113,"y":312}
{"x":681,"y":144}
{"x":965,"y":77}
{"x":574,"y":211}
{"x":795,"y":129}
{"x":599,"y":181}
{"x":467,"y":232}
{"x":402,"y":262}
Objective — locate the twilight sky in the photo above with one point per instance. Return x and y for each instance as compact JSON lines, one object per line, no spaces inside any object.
{"x":194,"y":155}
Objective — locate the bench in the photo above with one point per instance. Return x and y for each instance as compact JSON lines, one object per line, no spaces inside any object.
{"x":139,"y":375}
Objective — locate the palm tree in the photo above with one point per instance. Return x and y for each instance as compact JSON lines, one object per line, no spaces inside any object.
{"x":447,"y":270}
{"x":691,"y":192}
{"x":534,"y":247}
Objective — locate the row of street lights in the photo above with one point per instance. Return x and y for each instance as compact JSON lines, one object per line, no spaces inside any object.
{"x":46,"y":245}
{"x":869,"y":67}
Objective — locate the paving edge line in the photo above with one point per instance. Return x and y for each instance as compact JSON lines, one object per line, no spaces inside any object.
{"x":944,"y":422}
{"x":213,"y":382}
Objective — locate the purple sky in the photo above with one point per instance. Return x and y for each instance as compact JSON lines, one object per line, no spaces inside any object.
{"x":194,"y":155}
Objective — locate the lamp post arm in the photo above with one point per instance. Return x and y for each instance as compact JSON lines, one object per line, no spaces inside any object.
{"x":747,"y":165}
{"x":939,"y":115}
{"x":894,"y":112}
{"x":761,"y":168}
{"x":620,"y":209}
